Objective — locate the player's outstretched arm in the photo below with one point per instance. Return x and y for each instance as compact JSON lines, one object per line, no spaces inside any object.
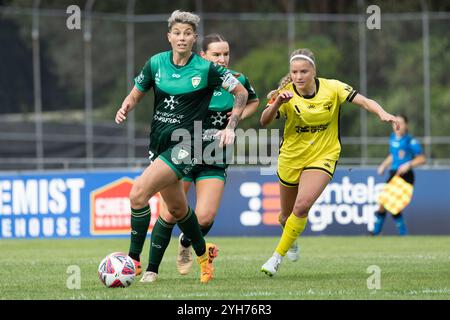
{"x":128,"y":104}
{"x":270,"y":113}
{"x":374,"y":107}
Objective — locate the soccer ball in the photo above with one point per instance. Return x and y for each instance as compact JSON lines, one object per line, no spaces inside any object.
{"x":117,"y":270}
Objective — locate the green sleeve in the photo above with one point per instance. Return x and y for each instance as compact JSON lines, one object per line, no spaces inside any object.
{"x":251,"y":92}
{"x":144,"y":81}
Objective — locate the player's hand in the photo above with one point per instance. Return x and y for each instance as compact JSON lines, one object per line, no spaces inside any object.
{"x":283,"y":97}
{"x":384,"y":116}
{"x":226,"y":136}
{"x":121,"y":114}
{"x":380,"y":170}
{"x":404,"y":168}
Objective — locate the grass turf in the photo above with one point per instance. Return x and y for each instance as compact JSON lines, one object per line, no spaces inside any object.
{"x":329,"y":268}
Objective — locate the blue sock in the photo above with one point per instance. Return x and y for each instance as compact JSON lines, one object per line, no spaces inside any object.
{"x":379,"y":221}
{"x":400,"y":224}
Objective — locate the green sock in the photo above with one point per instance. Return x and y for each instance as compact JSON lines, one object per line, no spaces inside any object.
{"x":186,"y":242}
{"x":159,"y":242}
{"x":140,"y":221}
{"x":190,"y":227}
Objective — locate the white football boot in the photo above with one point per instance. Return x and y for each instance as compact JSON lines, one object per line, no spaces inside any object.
{"x":293,"y":253}
{"x":271,"y":266}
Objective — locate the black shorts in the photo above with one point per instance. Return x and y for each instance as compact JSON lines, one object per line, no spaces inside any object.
{"x":408,"y":176}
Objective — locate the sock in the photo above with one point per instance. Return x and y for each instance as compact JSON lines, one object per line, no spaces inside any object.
{"x":140,"y":221}
{"x":186,"y":242}
{"x":400,"y":224}
{"x":190,"y":227}
{"x":159,"y":242}
{"x":379,"y":221}
{"x":292,"y":230}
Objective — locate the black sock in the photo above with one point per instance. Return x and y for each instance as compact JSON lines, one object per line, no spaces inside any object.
{"x":190,"y":227}
{"x":140,"y":221}
{"x":159,"y":242}
{"x":185,"y":242}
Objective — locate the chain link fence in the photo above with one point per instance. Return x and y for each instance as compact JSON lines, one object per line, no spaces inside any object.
{"x":60,"y":87}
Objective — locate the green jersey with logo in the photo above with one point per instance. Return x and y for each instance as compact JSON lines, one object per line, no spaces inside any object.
{"x":222,"y":102}
{"x":182,"y":93}
{"x":217,"y":119}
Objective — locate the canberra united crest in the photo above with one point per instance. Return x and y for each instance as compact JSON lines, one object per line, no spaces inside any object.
{"x":182,"y":154}
{"x":196,"y":81}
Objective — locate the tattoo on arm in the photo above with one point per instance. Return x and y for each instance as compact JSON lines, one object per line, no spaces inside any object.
{"x":240,"y":101}
{"x":234,"y":119}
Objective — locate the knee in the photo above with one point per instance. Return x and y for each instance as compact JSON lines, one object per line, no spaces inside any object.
{"x":177,"y":210}
{"x":138,"y":197}
{"x":205,"y":218}
{"x":166,"y":216}
{"x":301,"y":208}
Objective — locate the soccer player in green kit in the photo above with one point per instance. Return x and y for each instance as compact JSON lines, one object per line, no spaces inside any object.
{"x":183,"y":84}
{"x":209,"y":177}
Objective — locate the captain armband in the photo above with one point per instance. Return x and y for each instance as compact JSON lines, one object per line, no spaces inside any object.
{"x":229,"y":82}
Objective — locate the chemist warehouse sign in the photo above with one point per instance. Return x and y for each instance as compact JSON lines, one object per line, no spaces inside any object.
{"x":67,"y":205}
{"x":82,"y":205}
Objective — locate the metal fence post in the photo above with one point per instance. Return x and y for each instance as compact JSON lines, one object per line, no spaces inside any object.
{"x":87,"y":37}
{"x":363,"y":80}
{"x":426,"y":78}
{"x":37,"y":86}
{"x":291,"y":26}
{"x":201,"y":25}
{"x":131,"y":121}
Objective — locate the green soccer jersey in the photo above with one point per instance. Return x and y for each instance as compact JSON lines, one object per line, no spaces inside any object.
{"x":222,"y":102}
{"x":182,"y":93}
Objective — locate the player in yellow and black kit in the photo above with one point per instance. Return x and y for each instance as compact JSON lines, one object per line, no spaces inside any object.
{"x":311,"y":145}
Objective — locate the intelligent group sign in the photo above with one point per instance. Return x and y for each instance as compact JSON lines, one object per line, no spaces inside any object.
{"x":96,"y":204}
{"x":346,"y":207}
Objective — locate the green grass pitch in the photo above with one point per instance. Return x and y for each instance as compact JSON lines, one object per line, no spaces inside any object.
{"x":329,"y":268}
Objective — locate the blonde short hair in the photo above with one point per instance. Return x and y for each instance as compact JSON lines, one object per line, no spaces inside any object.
{"x":183,"y":17}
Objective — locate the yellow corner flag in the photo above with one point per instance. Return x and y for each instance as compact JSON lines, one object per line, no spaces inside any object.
{"x":396,"y":195}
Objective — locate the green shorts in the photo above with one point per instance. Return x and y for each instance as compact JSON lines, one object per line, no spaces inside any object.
{"x":178,"y":158}
{"x":204,"y":171}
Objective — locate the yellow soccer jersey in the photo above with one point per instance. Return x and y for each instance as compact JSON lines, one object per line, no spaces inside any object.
{"x":312,"y":123}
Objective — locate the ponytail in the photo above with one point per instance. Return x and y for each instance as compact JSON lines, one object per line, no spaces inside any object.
{"x":283,"y":82}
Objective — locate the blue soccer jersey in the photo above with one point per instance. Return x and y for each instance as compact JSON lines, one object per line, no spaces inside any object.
{"x":403,"y":149}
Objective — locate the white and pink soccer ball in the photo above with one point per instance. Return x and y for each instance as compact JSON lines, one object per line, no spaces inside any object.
{"x":117,"y":270}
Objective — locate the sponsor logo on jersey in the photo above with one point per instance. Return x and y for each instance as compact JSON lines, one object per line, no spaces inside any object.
{"x":170,"y":103}
{"x":218,"y":119}
{"x":311,"y":106}
{"x":312,"y":129}
{"x":176,"y":75}
{"x":196,"y":81}
{"x":328,"y":105}
{"x":140,"y":78}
